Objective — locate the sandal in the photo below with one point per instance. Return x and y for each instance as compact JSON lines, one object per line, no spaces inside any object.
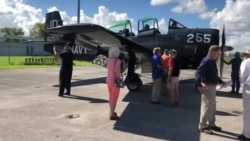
{"x":114,"y":117}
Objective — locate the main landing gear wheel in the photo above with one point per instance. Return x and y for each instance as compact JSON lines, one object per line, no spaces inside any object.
{"x":133,"y":87}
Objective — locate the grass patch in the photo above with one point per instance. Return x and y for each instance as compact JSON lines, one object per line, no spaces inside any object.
{"x":227,"y":58}
{"x":18,"y":62}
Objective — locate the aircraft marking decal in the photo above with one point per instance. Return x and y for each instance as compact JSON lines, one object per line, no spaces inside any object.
{"x":178,"y":37}
{"x":100,"y":60}
{"x":198,"y":38}
{"x":77,"y":49}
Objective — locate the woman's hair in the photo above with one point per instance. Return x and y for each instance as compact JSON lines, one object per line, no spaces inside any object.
{"x":114,"y":52}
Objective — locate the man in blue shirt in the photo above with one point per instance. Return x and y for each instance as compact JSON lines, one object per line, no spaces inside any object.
{"x":66,"y":68}
{"x":157,"y":73}
{"x":235,"y":76}
{"x":206,"y":78}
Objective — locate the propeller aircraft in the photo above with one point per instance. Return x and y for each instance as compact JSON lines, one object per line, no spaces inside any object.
{"x":192,"y":44}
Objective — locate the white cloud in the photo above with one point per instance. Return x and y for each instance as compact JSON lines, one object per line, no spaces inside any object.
{"x":106,"y":18}
{"x":190,"y":6}
{"x":14,"y":13}
{"x":237,"y":22}
{"x":51,"y":9}
{"x":187,"y":6}
{"x":160,"y":2}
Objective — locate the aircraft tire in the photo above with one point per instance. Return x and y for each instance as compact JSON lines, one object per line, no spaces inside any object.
{"x":133,"y":87}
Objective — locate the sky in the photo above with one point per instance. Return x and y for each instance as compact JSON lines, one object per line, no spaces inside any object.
{"x":191,"y":13}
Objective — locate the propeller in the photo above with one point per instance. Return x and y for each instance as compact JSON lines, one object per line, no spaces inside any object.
{"x":223,"y":39}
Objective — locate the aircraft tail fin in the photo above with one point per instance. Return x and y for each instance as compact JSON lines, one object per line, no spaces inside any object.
{"x":53,"y":19}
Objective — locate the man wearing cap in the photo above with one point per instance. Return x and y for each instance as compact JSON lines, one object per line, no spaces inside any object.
{"x":66,"y":68}
{"x":206,"y":78}
{"x":245,"y":80}
{"x":235,"y":72}
{"x":174,"y":68}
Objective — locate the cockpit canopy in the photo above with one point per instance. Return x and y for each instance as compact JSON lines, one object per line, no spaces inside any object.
{"x":123,"y":28}
{"x":148,"y":26}
{"x":173,"y":24}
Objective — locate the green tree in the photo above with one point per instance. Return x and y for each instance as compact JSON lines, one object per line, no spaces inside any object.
{"x":12,"y":31}
{"x":37,"y":30}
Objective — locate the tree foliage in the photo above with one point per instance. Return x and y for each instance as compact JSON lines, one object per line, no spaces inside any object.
{"x":37,"y":30}
{"x":12,"y":31}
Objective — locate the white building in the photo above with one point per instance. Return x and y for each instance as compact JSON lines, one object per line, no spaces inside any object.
{"x":16,"y":46}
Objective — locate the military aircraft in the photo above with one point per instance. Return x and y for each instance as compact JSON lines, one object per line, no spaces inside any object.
{"x":192,"y":44}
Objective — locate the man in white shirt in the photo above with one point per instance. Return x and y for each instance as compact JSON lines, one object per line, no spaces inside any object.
{"x":245,"y":80}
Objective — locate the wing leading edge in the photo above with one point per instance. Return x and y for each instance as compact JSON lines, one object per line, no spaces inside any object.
{"x":96,"y":35}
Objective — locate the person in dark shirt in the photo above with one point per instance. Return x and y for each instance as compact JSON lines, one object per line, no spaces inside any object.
{"x":173,"y":78}
{"x":157,"y":73}
{"x":206,"y":78}
{"x":66,"y":69}
{"x":235,"y":62}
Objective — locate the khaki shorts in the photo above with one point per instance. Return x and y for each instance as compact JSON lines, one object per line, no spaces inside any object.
{"x":174,"y":82}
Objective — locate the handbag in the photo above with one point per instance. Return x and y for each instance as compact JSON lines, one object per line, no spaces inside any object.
{"x":119,"y":81}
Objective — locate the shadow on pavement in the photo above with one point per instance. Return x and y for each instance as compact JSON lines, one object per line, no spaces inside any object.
{"x":227,"y":94}
{"x":159,"y":121}
{"x":82,"y":82}
{"x":221,"y":113}
{"x":218,"y":93}
{"x":91,"y":100}
{"x":226,"y":134}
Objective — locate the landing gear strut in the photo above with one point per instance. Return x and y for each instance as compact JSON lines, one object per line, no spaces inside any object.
{"x":132,"y":80}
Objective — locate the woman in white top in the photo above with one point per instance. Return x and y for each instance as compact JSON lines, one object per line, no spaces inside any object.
{"x":245,"y":80}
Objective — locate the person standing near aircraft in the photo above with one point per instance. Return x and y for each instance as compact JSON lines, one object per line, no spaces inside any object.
{"x":174,"y":68}
{"x":114,"y":71}
{"x":165,"y":58}
{"x":157,"y":72}
{"x":235,"y":72}
{"x":245,"y":80}
{"x":66,"y":69}
{"x":206,"y":78}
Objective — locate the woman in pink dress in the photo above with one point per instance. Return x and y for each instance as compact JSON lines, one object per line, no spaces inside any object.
{"x":114,"y":71}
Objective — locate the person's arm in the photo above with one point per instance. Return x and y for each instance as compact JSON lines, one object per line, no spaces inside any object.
{"x":170,"y":67}
{"x":57,"y":55}
{"x":243,"y":72}
{"x":159,"y":63}
{"x":118,"y":68}
{"x":200,"y":73}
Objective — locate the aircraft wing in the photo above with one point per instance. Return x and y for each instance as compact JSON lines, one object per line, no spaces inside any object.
{"x":45,"y":42}
{"x":96,"y":36}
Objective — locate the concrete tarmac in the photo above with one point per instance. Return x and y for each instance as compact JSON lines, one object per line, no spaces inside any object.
{"x":30,"y":109}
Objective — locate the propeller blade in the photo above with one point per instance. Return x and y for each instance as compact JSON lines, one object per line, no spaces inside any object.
{"x":223,"y":39}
